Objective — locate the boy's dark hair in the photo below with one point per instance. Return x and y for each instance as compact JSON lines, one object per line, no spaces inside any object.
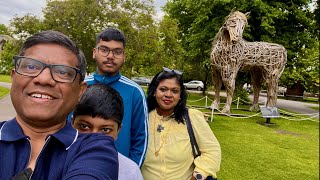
{"x":100,"y":101}
{"x":111,"y":34}
{"x":55,"y":37}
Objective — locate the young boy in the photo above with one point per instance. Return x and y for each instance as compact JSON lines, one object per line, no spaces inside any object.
{"x":100,"y":110}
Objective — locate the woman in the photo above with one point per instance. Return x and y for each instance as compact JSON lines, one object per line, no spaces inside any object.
{"x":169,"y":154}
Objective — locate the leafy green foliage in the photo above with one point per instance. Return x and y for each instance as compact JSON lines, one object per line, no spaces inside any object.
{"x":182,"y":40}
{"x":307,"y":72}
{"x":170,"y":51}
{"x":9,"y":50}
{"x":3,"y":29}
{"x":242,"y":94}
{"x":289,"y":23}
{"x":26,"y":25}
{"x":82,"y":20}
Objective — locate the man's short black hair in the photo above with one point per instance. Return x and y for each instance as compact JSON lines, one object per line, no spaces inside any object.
{"x":111,"y":34}
{"x":101,"y":101}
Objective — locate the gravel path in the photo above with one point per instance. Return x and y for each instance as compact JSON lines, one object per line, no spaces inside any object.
{"x":6,"y":109}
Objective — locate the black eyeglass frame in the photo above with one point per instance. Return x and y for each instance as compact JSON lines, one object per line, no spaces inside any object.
{"x":111,"y":50}
{"x":45,"y":65}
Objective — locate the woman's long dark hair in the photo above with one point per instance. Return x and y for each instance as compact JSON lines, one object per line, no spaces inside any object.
{"x":181,"y":107}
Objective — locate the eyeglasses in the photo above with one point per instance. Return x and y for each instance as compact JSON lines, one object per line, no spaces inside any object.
{"x":104,"y":51}
{"x":172,"y":70}
{"x":32,"y":67}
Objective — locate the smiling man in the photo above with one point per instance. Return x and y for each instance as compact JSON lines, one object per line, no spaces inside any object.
{"x":109,"y":54}
{"x":38,"y":143}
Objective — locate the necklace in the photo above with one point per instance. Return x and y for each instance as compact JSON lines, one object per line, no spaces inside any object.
{"x":159,"y":129}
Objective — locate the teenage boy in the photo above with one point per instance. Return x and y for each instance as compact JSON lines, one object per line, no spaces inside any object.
{"x":100,"y":110}
{"x":109,"y":54}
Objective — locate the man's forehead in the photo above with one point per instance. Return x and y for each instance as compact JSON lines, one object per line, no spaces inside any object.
{"x":50,"y":52}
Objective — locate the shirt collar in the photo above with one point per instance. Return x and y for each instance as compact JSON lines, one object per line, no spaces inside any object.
{"x":67,"y":135}
{"x":106,"y":79}
{"x":11,"y":131}
{"x":162,"y":118}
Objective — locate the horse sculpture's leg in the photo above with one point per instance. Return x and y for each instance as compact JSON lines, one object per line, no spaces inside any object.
{"x":229,"y":82}
{"x":217,"y":82}
{"x":256,"y":79}
{"x":272,"y":83}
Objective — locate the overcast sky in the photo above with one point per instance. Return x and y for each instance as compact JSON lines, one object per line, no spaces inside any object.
{"x":10,"y":8}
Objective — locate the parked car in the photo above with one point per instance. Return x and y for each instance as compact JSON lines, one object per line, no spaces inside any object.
{"x":141,"y":81}
{"x":194,"y":85}
{"x":282,"y":90}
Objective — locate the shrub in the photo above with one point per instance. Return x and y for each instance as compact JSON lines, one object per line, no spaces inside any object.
{"x":242,"y":94}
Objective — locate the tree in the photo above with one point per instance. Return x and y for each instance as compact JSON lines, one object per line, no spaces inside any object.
{"x":80,"y":20}
{"x":308,"y":72}
{"x":170,"y":52}
{"x":83,"y":19}
{"x":3,"y":29}
{"x":289,"y":23}
{"x":26,"y":25}
{"x":10,"y":49}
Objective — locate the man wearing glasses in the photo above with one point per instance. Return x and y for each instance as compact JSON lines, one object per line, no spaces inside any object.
{"x":38,"y":143}
{"x":109,"y":54}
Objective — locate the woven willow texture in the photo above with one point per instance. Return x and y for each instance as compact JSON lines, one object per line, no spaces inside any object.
{"x":3,"y":40}
{"x":231,"y":53}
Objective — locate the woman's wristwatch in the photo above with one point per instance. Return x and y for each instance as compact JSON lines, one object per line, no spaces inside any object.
{"x":198,"y":176}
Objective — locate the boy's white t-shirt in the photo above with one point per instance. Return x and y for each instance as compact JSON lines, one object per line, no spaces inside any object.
{"x":128,"y":169}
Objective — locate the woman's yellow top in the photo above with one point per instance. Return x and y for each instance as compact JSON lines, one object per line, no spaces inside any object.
{"x":169,"y":154}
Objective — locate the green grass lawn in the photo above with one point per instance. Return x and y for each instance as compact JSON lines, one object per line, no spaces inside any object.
{"x":250,"y":150}
{"x":312,"y":100}
{"x":5,"y":78}
{"x":314,"y":107}
{"x":288,"y":150}
{"x":3,"y":91}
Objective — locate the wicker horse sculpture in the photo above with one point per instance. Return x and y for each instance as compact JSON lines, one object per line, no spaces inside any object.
{"x":230,"y":53}
{"x":3,"y":40}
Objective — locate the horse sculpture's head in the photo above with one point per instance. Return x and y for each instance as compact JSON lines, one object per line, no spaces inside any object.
{"x":234,"y":26}
{"x":3,"y":40}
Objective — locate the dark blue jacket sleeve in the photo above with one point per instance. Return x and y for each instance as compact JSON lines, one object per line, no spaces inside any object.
{"x":92,"y":156}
